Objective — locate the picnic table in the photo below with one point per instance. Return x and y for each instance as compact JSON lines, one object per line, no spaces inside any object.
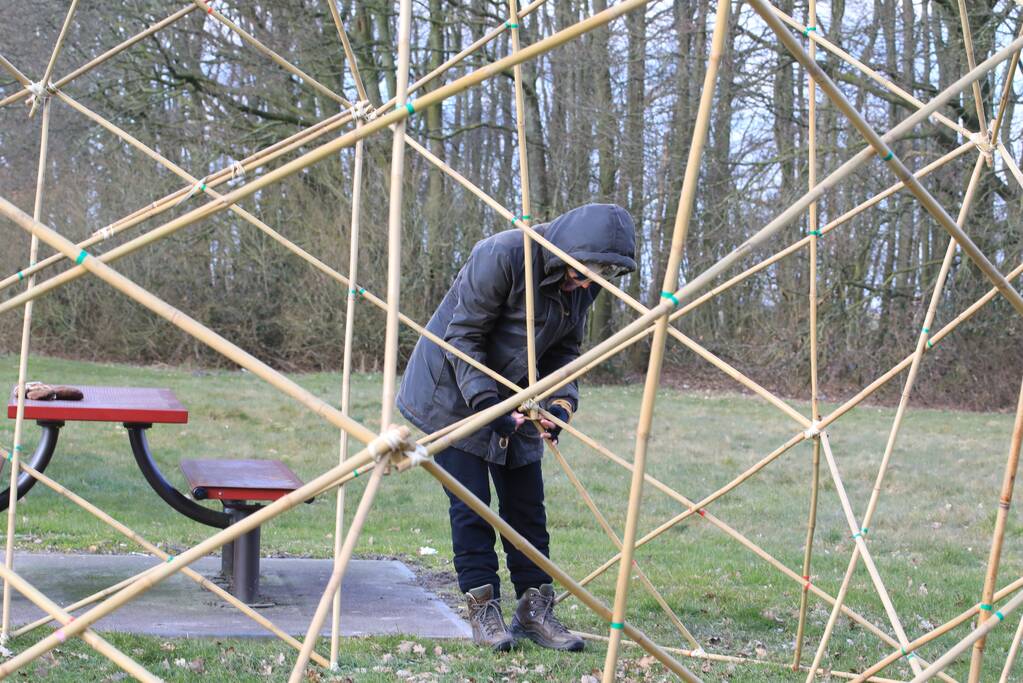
{"x":240,"y":485}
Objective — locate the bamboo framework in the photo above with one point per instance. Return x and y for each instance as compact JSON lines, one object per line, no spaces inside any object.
{"x":395,"y":448}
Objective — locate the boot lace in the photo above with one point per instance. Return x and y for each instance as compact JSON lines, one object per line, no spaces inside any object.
{"x":490,"y":620}
{"x":547,"y":615}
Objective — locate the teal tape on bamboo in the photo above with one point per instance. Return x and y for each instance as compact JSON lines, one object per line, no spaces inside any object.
{"x":355,"y":473}
{"x":806,"y":31}
{"x":925,"y":330}
{"x":19,"y":448}
{"x":671,"y":296}
{"x":1001,"y":617}
{"x":986,"y":607}
{"x":888,"y":157}
{"x":930,"y":344}
{"x":21,"y":276}
{"x":361,"y":291}
{"x":815,"y":233}
{"x":617,"y":625}
{"x":523,"y":217}
{"x":170,"y":558}
{"x":858,"y":534}
{"x":82,"y":255}
{"x":407,"y":106}
{"x":508,"y":24}
{"x":864,"y":531}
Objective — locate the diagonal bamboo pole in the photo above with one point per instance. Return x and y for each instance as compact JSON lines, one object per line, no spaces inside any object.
{"x":346,"y":46}
{"x":112,"y":52}
{"x":610,"y":532}
{"x":900,"y":411}
{"x":683,"y":216}
{"x":94,"y":641}
{"x":879,"y":144}
{"x":817,"y":39}
{"x":273,"y":56}
{"x":152,"y":549}
{"x":978,"y":99}
{"x":997,"y":538}
{"x":19,"y":419}
{"x":814,"y":233}
{"x":525,"y":216}
{"x":44,"y":81}
{"x":529,"y":52}
{"x":338,"y":572}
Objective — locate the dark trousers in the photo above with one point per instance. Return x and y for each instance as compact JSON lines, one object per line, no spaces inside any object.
{"x":520,"y":503}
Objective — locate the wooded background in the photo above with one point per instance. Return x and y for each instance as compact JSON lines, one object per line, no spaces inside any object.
{"x":609,"y":119}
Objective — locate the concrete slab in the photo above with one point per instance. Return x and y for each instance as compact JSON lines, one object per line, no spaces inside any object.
{"x":379,"y":597}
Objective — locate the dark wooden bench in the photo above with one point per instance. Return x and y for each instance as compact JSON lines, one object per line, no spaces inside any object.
{"x":240,"y":485}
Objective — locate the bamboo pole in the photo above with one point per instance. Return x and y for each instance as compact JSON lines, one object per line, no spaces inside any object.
{"x":154,"y":550}
{"x":500,"y":66}
{"x":813,"y":233}
{"x":959,"y":648}
{"x":1010,"y":659}
{"x":353,"y":66}
{"x":879,"y":144}
{"x":900,"y":411}
{"x":525,"y":217}
{"x":346,"y":382}
{"x":544,"y":563}
{"x":338,"y":572}
{"x":606,"y":527}
{"x":683,"y":216}
{"x":26,"y":335}
{"x":972,"y":61}
{"x":889,"y":85}
{"x":94,"y":641}
{"x":394,"y":223}
{"x":270,"y":54}
{"x":997,"y":538}
{"x":117,"y":49}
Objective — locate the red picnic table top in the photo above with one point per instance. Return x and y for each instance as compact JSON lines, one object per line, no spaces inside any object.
{"x":138,"y":405}
{"x":239,"y":479}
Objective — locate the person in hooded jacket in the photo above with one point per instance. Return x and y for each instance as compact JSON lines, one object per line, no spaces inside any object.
{"x":483,"y":315}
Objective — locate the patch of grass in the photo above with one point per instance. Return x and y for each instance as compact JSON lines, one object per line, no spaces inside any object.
{"x":929,"y":538}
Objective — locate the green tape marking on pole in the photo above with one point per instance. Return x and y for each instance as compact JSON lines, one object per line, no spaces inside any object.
{"x":670,"y":295}
{"x":864,"y":531}
{"x":1001,"y":617}
{"x":907,"y":655}
{"x":361,"y":291}
{"x":523,"y":217}
{"x":407,"y":106}
{"x":82,"y":255}
{"x":806,"y":31}
{"x":858,"y":534}
{"x":355,"y":473}
{"x":925,"y":330}
{"x":19,"y":448}
{"x":815,"y":233}
{"x":888,"y":157}
{"x":617,"y":625}
{"x":986,"y":607}
{"x":930,"y":344}
{"x":508,"y":24}
{"x":170,"y":558}
{"x":21,"y":276}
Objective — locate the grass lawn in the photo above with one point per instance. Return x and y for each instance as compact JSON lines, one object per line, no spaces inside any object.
{"x":930,"y":536}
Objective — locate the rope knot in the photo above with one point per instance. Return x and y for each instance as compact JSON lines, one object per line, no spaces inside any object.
{"x":813,"y":431}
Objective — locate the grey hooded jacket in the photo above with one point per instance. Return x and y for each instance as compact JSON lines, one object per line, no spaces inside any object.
{"x":483,"y":314}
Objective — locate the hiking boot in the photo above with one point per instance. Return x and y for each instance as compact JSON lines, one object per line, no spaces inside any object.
{"x":488,"y":628}
{"x":534,"y":619}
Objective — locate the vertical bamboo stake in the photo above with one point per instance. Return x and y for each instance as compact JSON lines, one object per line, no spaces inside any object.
{"x":814,"y":232}
{"x":670,"y":284}
{"x":346,"y":383}
{"x":917,"y":357}
{"x":995,"y":556}
{"x":394,"y":218}
{"x":340,"y":565}
{"x":26,"y":333}
{"x":527,"y":243}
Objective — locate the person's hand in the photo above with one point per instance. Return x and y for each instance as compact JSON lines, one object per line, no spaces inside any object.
{"x":552,"y":430}
{"x":507,"y":424}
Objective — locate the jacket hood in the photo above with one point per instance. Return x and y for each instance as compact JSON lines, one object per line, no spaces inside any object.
{"x":594,"y":233}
